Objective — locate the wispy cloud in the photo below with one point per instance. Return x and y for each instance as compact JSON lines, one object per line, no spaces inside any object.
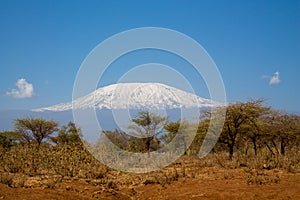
{"x":273,"y":80}
{"x":24,"y":89}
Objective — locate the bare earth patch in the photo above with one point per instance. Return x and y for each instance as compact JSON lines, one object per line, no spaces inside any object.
{"x":208,"y":183}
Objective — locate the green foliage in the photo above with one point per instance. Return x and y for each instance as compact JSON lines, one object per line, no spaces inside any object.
{"x":282,"y":130}
{"x":35,"y":129}
{"x":145,"y":127}
{"x":249,"y":127}
{"x":239,"y":117}
{"x":199,"y":137}
{"x":147,"y":124}
{"x":172,"y":128}
{"x":179,"y":132}
{"x":67,"y":134}
{"x":253,"y":125}
{"x":4,"y":141}
{"x":9,"y":138}
{"x":255,"y":137}
{"x":117,"y":137}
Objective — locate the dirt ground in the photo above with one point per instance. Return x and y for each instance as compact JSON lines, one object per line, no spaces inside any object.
{"x":232,"y":185}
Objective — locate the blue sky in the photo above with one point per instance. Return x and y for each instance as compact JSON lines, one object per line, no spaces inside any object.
{"x":43,"y":43}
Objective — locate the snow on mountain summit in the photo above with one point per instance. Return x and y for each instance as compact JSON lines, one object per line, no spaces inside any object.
{"x":134,"y":96}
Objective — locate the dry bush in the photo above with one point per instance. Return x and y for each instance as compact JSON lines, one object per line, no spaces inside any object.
{"x":263,"y":160}
{"x":6,"y":178}
{"x":260,"y":177}
{"x":290,"y":162}
{"x":65,"y":160}
{"x":75,"y":161}
{"x":27,"y":159}
{"x":52,"y":164}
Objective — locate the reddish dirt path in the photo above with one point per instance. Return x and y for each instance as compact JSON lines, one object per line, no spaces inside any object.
{"x":189,"y":188}
{"x":288,"y":188}
{"x":8,"y":193}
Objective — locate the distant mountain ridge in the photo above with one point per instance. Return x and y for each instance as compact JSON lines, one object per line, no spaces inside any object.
{"x":134,"y":96}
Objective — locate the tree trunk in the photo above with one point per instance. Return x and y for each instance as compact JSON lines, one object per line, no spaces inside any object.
{"x":282,"y":147}
{"x":275,"y":146}
{"x":230,"y":146}
{"x":269,"y":148}
{"x":254,"y":145}
{"x":148,"y":142}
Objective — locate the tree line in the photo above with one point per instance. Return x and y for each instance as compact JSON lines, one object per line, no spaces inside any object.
{"x":249,"y":127}
{"x":38,"y":131}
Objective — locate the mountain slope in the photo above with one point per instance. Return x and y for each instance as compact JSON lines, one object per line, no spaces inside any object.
{"x":135,"y":96}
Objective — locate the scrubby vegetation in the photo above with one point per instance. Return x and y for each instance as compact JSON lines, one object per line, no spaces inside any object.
{"x":255,"y":139}
{"x":250,"y":129}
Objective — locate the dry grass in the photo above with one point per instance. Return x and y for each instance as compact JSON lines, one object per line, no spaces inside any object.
{"x":48,"y":166}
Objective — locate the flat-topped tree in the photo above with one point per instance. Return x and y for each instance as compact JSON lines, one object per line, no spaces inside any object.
{"x":239,"y":117}
{"x":241,"y":121}
{"x":146,"y":126}
{"x":35,"y":129}
{"x":282,"y":130}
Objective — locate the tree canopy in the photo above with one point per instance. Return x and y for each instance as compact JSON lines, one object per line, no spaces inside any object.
{"x":146,"y":126}
{"x":35,"y":129}
{"x":67,"y":134}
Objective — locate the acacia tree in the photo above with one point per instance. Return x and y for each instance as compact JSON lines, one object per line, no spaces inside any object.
{"x":238,"y":117}
{"x":35,"y":129}
{"x":254,"y":132}
{"x":172,"y":129}
{"x":254,"y":127}
{"x":283,"y":129}
{"x":180,"y":131}
{"x":67,"y":134}
{"x":120,"y":139}
{"x":146,"y":126}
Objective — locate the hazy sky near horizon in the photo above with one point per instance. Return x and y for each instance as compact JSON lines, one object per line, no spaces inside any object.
{"x":255,"y":45}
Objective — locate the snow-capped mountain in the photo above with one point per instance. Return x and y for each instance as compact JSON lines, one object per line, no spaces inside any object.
{"x":135,"y":96}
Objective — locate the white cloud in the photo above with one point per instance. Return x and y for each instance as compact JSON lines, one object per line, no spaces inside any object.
{"x":275,"y":79}
{"x":25,"y":89}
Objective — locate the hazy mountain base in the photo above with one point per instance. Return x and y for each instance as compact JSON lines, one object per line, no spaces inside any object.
{"x":8,"y":117}
{"x":105,"y":117}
